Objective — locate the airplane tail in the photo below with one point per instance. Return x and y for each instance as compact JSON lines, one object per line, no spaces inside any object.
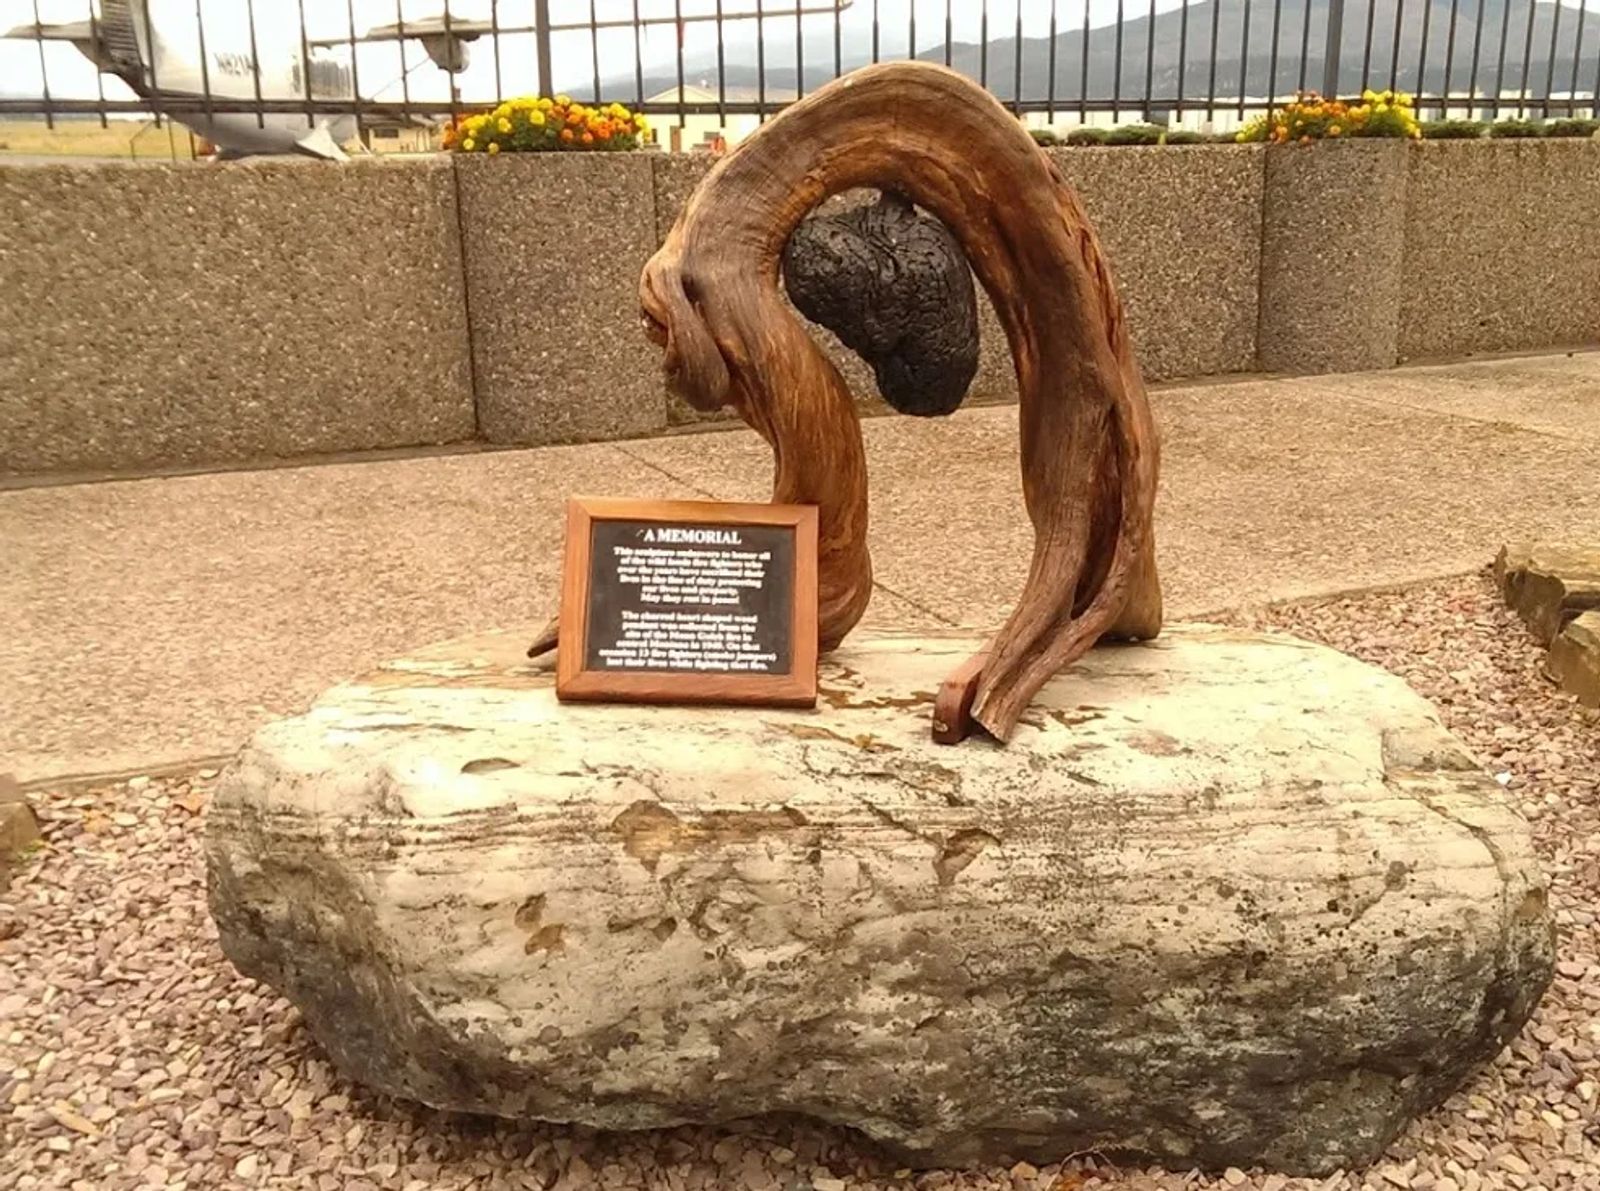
{"x":319,"y":142}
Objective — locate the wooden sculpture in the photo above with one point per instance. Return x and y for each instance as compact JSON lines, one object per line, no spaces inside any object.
{"x":711,"y":298}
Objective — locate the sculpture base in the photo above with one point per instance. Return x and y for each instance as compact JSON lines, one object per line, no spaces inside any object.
{"x":1225,"y":899}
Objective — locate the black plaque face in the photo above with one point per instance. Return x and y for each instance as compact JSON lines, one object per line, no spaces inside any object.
{"x":690,"y":598}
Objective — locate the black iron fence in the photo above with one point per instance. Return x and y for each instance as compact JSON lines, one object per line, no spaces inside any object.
{"x":1206,"y":61}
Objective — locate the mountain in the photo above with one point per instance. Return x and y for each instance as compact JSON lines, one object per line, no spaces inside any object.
{"x":1392,"y":53}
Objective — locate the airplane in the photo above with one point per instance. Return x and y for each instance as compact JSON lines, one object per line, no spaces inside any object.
{"x":164,"y":51}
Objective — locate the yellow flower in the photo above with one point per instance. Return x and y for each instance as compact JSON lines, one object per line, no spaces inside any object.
{"x":469,"y":144}
{"x":536,"y":118}
{"x":505,"y":125}
{"x":545,"y":104}
{"x":564,"y":100}
{"x":494,"y":147}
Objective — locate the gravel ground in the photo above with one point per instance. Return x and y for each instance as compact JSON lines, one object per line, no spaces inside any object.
{"x":132,"y":1055}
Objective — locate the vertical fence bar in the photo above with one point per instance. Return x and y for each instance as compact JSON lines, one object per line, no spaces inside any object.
{"x":594,"y":50}
{"x":1477,"y":46}
{"x":1334,"y":46}
{"x":722,"y":67}
{"x":355,"y":67}
{"x":1050,"y":91}
{"x":1577,"y":55}
{"x":450,"y":57}
{"x":1116,"y":70}
{"x":875,"y":15}
{"x":838,"y":40}
{"x":1211,"y":77}
{"x":1500,"y":64}
{"x":1595,"y":102}
{"x":405,"y":68}
{"x":1366,"y":49}
{"x":150,"y":43}
{"x":1016,"y":78}
{"x":1422,"y":59}
{"x":1272,"y":57}
{"x":1527,"y":63}
{"x":638,"y":54}
{"x":1149,"y":60}
{"x":911,"y":32}
{"x":1394,"y":59}
{"x":541,"y":45}
{"x":1449,"y":59}
{"x":1244,"y":60}
{"x":949,"y":29}
{"x":799,"y":51}
{"x":1183,"y":50}
{"x":1305,"y":55}
{"x":677,"y":31}
{"x":761,"y":65}
{"x":1550,"y":66}
{"x":99,"y":78}
{"x":205,"y":67}
{"x":44,"y":68}
{"x":1083,"y":70}
{"x":494,"y":34}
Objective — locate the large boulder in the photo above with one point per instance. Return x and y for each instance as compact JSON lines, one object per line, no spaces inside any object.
{"x":1226,"y":898}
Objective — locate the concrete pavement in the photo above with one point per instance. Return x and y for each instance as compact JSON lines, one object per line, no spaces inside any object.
{"x":148,"y":622}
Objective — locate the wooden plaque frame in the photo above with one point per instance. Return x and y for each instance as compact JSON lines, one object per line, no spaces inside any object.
{"x":574,"y":681}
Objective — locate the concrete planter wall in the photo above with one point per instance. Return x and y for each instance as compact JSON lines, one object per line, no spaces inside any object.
{"x":1502,"y":246}
{"x":155,"y":317}
{"x":554,"y":245}
{"x":1331,"y":251}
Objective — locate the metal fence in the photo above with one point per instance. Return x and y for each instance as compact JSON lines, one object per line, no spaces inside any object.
{"x":1202,"y":63}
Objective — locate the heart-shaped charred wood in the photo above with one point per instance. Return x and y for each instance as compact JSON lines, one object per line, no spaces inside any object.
{"x":896,"y":289}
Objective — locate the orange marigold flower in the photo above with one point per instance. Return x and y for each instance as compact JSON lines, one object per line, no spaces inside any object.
{"x":588,"y":138}
{"x":566,"y":134}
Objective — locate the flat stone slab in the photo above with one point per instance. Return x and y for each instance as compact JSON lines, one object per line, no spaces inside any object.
{"x":1574,"y":659}
{"x":1549,"y":585}
{"x":1226,"y":899}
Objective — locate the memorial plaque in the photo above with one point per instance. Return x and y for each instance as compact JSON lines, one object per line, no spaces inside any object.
{"x":689,"y":602}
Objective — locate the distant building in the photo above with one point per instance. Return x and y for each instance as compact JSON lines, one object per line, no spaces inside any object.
{"x":400,"y":134}
{"x":699,"y":131}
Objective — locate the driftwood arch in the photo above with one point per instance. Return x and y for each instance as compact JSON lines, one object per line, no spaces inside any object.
{"x":711,"y":298}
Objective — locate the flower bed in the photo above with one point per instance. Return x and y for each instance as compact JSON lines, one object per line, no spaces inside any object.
{"x":542,"y":125}
{"x":1309,"y":118}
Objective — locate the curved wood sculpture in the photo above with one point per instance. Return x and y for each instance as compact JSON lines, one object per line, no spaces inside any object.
{"x":711,"y":298}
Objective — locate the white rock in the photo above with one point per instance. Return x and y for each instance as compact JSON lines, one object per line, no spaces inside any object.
{"x":1226,"y":899}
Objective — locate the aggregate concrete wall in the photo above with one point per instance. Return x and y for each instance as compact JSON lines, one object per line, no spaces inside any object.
{"x":1502,"y":246}
{"x":1182,"y":227}
{"x":166,"y":316}
{"x":155,"y":316}
{"x":1331,"y":249}
{"x":554,"y":247}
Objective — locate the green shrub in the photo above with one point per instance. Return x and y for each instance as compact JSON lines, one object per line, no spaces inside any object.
{"x":1044,"y":137}
{"x":1135,"y":134}
{"x":1086,"y":136}
{"x":1573,"y":126}
{"x":1453,"y":130}
{"x":1182,"y":136}
{"x":1515,"y":128}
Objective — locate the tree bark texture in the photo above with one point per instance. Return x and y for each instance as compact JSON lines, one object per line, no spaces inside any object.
{"x":711,"y":297}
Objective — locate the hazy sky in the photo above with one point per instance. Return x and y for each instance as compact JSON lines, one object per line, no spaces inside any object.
{"x":277,"y":24}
